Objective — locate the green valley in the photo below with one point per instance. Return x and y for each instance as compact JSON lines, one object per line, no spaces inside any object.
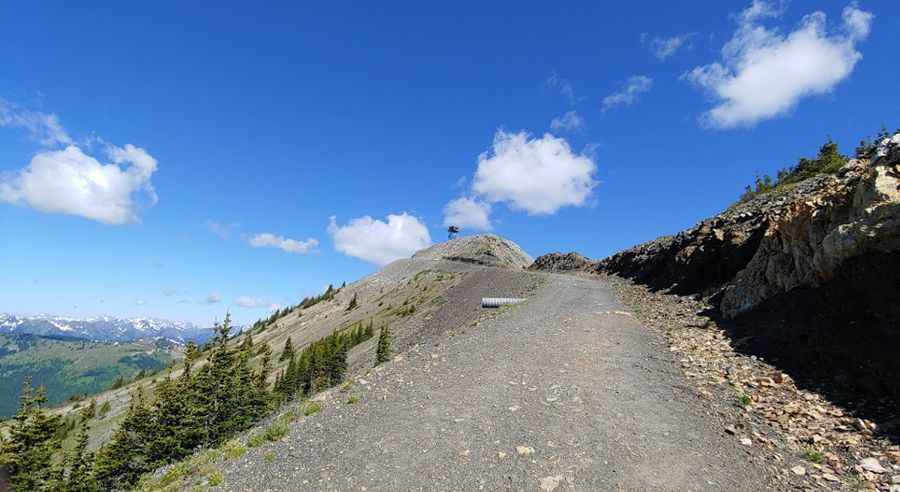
{"x":69,"y":367}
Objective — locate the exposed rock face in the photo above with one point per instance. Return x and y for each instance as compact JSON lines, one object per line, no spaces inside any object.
{"x":483,"y":249}
{"x":559,"y":262}
{"x":813,"y":270}
{"x":771,"y":244}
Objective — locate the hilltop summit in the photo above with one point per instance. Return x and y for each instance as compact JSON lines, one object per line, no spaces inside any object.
{"x":482,"y":249}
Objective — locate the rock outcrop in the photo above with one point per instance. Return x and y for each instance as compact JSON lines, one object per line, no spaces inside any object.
{"x":560,"y":262}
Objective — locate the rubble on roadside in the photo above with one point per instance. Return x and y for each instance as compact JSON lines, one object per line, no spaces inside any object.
{"x":810,"y":442}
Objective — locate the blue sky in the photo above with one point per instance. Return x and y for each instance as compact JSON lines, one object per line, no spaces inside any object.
{"x":179,"y":161}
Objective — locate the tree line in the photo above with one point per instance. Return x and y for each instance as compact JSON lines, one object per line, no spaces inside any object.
{"x":200,"y":408}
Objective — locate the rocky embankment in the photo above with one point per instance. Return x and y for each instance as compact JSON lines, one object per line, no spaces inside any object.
{"x":809,"y":272}
{"x":784,"y":312}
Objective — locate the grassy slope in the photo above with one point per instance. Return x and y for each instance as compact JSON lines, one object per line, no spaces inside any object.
{"x":67,"y":367}
{"x":385,"y":302}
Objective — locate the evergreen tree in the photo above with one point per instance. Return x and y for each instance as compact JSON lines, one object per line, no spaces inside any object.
{"x":177,"y":429}
{"x":80,"y":477}
{"x":264,"y":367}
{"x":353,"y":303}
{"x":383,"y":351}
{"x":126,"y":456}
{"x":288,"y":351}
{"x":89,"y":411}
{"x":104,"y":409}
{"x":27,"y":453}
{"x":247,"y":344}
{"x":338,"y":363}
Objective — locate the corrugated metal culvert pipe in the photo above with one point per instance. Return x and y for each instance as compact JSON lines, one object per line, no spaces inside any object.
{"x":495,"y":302}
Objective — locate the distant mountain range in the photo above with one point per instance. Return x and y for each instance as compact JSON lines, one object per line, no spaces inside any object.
{"x":105,"y":328}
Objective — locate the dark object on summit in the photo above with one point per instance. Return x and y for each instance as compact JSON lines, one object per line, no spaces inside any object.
{"x":452,"y":231}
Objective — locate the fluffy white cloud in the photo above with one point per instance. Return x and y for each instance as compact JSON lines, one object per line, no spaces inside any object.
{"x":569,"y":122}
{"x":44,"y":128}
{"x":283,"y":243}
{"x":71,"y":182}
{"x":250,"y":302}
{"x":629,"y":93}
{"x":537,"y":175}
{"x":468,"y":213}
{"x":213,"y":298}
{"x":663,"y":48}
{"x":380,"y":242}
{"x":764,"y":73}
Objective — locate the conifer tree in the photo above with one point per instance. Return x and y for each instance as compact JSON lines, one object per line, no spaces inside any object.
{"x":104,"y":409}
{"x":247,"y":344}
{"x":80,"y":477}
{"x":27,"y":452}
{"x":338,"y":363}
{"x":288,"y":351}
{"x":125,"y":457}
{"x":264,"y":367}
{"x":353,"y":303}
{"x":89,"y":411}
{"x":383,"y":351}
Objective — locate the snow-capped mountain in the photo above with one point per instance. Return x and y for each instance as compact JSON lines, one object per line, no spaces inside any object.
{"x":104,"y":328}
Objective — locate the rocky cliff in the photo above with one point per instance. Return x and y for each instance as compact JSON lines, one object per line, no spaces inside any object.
{"x":811,"y":271}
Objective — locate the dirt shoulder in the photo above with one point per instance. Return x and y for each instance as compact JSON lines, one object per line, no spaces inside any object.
{"x":809,"y":441}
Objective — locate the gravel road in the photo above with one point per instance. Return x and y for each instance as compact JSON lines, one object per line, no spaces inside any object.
{"x":564,"y":392}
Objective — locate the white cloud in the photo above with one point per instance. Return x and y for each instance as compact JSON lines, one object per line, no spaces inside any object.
{"x":283,"y":243}
{"x":764,"y":73}
{"x":44,"y":128}
{"x":213,"y":298}
{"x":663,"y":48}
{"x":563,"y":86}
{"x":380,"y":242}
{"x":569,"y":122}
{"x":629,"y":93}
{"x":71,"y":182}
{"x":250,"y":302}
{"x":537,"y":175}
{"x":140,"y":302}
{"x":468,"y":213}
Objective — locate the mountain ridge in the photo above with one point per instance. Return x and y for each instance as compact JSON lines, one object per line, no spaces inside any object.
{"x":104,"y":328}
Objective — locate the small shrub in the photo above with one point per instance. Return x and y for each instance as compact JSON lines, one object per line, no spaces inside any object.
{"x":743,"y":399}
{"x":311,"y":408}
{"x":814,"y":456}
{"x":289,"y":416}
{"x":206,"y":457}
{"x":233,"y":449}
{"x":174,"y":474}
{"x":269,"y":456}
{"x":276,"y":431}
{"x":215,"y":478}
{"x":256,"y":440}
{"x":353,"y":399}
